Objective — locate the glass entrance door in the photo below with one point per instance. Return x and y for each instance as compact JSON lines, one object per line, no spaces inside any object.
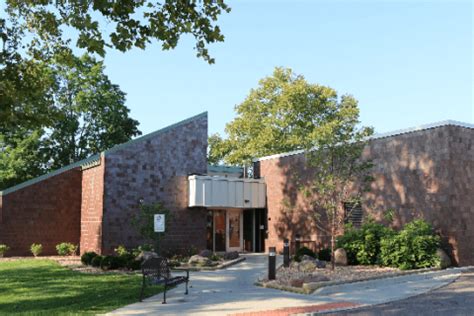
{"x":234,"y":230}
{"x":219,"y":230}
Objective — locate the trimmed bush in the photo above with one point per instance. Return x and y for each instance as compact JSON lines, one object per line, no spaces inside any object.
{"x":66,"y":249}
{"x":96,"y":261}
{"x":36,"y":249}
{"x":324,"y":254}
{"x":413,"y":247}
{"x":3,"y":249}
{"x":303,"y":251}
{"x":87,"y":257}
{"x":363,"y":245}
{"x":110,"y":263}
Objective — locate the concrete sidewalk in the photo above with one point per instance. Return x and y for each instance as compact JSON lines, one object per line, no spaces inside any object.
{"x":232,"y":291}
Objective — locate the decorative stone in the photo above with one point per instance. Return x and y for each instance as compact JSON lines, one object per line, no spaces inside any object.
{"x":320,"y":264}
{"x":444,"y":260}
{"x":307,"y":266}
{"x":145,"y":255}
{"x":199,"y":260}
{"x":206,"y":253}
{"x":340,"y":257}
{"x":231,"y":255}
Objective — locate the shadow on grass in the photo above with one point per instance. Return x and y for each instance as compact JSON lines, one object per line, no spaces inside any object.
{"x":44,"y":287}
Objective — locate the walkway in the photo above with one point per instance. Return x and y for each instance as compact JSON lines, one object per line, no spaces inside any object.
{"x":232,"y":291}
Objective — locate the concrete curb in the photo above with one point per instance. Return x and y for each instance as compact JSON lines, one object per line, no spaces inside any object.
{"x":454,"y":270}
{"x":218,"y":267}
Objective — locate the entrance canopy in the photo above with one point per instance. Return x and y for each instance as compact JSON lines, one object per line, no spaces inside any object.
{"x":222,"y":192}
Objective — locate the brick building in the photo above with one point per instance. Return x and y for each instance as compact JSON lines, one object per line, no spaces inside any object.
{"x":423,"y":172}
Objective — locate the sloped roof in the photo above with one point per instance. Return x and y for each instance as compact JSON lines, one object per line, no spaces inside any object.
{"x":94,"y":159}
{"x":383,"y":135}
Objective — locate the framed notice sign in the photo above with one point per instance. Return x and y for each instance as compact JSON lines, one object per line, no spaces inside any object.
{"x":159,"y":223}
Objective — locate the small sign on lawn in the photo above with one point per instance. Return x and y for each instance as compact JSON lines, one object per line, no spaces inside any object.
{"x":159,"y":223}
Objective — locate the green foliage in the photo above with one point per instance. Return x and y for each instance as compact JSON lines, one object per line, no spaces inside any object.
{"x":36,"y":249}
{"x":111,"y":263}
{"x":324,"y":254}
{"x":284,"y":113}
{"x":412,"y":248}
{"x":303,"y":251}
{"x":363,"y":245}
{"x":96,"y":261}
{"x":82,"y":114}
{"x":87,"y":257}
{"x":120,"y":25}
{"x":3,"y":249}
{"x":43,"y":287}
{"x":143,"y":222}
{"x":66,"y":249}
{"x":121,"y":250}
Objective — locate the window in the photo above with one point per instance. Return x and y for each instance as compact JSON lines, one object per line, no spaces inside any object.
{"x":353,"y":214}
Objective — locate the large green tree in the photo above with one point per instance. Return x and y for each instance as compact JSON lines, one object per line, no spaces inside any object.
{"x":284,"y":113}
{"x":92,"y":115}
{"x":86,"y":114}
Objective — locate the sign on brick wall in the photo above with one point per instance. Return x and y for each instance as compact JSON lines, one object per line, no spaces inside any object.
{"x":159,"y":223}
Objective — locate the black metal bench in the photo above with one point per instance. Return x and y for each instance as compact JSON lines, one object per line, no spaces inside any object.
{"x":156,"y":271}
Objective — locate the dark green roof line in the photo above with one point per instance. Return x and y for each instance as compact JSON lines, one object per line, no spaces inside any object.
{"x":223,"y":168}
{"x":93,"y":159}
{"x":84,"y":162}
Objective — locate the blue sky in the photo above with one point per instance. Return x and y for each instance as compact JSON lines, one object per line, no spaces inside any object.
{"x":407,"y":62}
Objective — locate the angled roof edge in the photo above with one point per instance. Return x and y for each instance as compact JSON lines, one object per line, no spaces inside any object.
{"x":83,"y":162}
{"x":382,"y":135}
{"x":90,"y":160}
{"x":152,"y":134}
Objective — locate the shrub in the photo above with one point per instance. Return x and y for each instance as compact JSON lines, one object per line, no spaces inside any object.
{"x":96,"y":261}
{"x":36,"y":249}
{"x":66,"y":249}
{"x":87,"y":257}
{"x":303,"y":251}
{"x":3,"y":249}
{"x":363,"y":245}
{"x":412,"y":248}
{"x":324,"y":254}
{"x":110,"y":263}
{"x":121,"y":250}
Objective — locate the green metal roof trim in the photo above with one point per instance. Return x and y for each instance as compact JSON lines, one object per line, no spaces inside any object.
{"x":93,"y":160}
{"x":85,"y":162}
{"x":221,"y":168}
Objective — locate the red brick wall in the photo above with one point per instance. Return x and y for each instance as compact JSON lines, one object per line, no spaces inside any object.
{"x":427,"y":174}
{"x":92,"y":208}
{"x":47,"y":212}
{"x":155,"y":169}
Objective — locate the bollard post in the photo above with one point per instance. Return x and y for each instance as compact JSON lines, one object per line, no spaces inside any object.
{"x":271,"y":263}
{"x":297,"y":243}
{"x":286,"y":253}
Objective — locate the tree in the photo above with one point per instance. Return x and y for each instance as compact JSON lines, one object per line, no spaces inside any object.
{"x":143,"y":222}
{"x":92,"y":112}
{"x":340,"y":174}
{"x":84,"y":113}
{"x":283,"y":113}
{"x":120,"y":25}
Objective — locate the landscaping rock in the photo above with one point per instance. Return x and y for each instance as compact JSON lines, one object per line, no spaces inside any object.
{"x":307,"y":266}
{"x":444,"y":259}
{"x":206,"y":253}
{"x":231,"y":255}
{"x":145,"y":255}
{"x":199,"y":260}
{"x":340,"y":257}
{"x":320,"y":264}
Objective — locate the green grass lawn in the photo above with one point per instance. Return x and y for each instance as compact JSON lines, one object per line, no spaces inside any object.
{"x":35,"y":286}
